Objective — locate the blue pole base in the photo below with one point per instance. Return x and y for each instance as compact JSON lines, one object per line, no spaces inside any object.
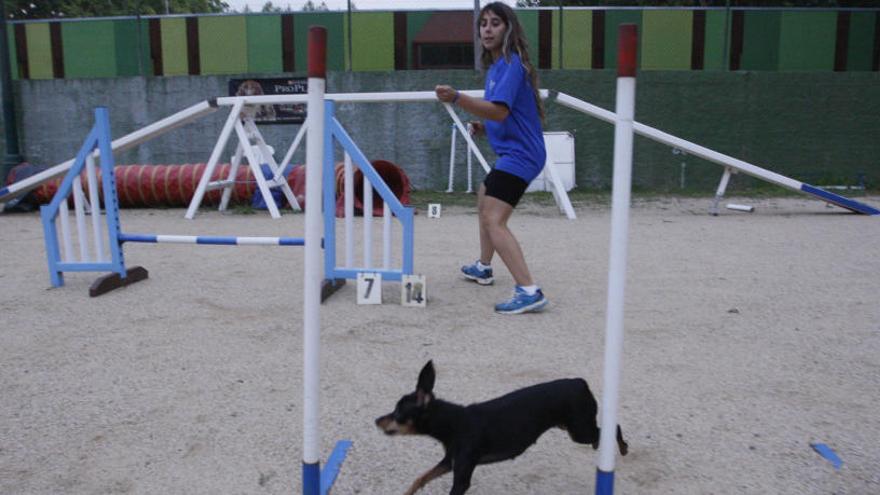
{"x":311,"y":477}
{"x":333,"y":465}
{"x":604,"y":482}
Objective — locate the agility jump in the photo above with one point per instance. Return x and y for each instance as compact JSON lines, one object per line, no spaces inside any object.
{"x":93,"y":257}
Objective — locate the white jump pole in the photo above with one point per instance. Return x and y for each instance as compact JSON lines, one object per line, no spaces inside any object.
{"x":92,"y":178}
{"x":80,"y":215}
{"x":386,"y":236}
{"x":451,"y":159}
{"x":348,"y":178}
{"x":311,"y":474}
{"x":368,"y":223}
{"x":63,"y":217}
{"x":627,"y":42}
{"x":470,"y":167}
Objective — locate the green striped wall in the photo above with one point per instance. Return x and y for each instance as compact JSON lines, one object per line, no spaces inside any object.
{"x":13,"y":54}
{"x":714,"y":41}
{"x":174,"y":50}
{"x":264,"y":50}
{"x":223,"y":45}
{"x":773,"y":40}
{"x":860,"y":47}
{"x":577,"y":39}
{"x":666,"y":39}
{"x":127,"y":34}
{"x":529,"y":21}
{"x":89,"y":49}
{"x":807,"y":40}
{"x":415,"y":21}
{"x":335,"y":38}
{"x":557,"y":42}
{"x":761,"y":40}
{"x":613,"y":19}
{"x":372,"y":41}
{"x":39,"y":50}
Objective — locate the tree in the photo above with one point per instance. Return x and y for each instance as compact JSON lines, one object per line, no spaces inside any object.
{"x":45,"y":9}
{"x":698,"y":3}
{"x":310,"y":6}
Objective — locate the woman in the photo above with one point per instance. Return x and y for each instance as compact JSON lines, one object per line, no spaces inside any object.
{"x":513,"y":112}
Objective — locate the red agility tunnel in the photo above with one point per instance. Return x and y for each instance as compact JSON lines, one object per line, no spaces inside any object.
{"x":165,"y":185}
{"x":394,"y":177}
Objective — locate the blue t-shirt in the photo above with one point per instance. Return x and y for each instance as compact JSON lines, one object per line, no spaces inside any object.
{"x":518,"y":140}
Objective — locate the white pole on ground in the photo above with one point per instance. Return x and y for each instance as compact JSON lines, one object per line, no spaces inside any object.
{"x":627,"y":39}
{"x":317,"y":49}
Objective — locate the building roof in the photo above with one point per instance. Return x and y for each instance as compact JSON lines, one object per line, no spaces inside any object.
{"x":447,"y":27}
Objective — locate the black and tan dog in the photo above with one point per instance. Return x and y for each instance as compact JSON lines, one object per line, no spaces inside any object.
{"x":496,"y":430}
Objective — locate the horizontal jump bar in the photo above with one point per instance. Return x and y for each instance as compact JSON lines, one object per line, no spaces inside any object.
{"x":670,"y":140}
{"x":130,"y":140}
{"x":389,"y":97}
{"x":213,"y":240}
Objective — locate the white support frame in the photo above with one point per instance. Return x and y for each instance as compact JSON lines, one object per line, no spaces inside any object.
{"x":251,"y":146}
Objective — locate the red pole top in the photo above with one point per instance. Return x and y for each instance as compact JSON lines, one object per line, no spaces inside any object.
{"x":318,"y":52}
{"x":627,"y":50}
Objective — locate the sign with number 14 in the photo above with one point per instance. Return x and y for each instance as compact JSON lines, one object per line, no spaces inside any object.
{"x":413,"y":291}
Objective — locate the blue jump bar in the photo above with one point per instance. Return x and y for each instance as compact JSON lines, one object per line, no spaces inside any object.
{"x":212,"y":240}
{"x":840,"y":200}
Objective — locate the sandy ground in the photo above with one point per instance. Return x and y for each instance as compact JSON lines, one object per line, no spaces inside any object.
{"x":748,"y":336}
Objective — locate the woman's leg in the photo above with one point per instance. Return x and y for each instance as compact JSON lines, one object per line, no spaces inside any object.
{"x":494,"y":214}
{"x":487,"y":250}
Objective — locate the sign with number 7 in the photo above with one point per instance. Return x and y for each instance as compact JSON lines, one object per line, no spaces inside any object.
{"x":369,"y":288}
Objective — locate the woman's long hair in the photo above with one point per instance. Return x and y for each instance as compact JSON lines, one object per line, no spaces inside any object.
{"x":514,"y":42}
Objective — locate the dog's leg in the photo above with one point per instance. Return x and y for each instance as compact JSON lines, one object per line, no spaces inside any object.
{"x":463,"y":470}
{"x":624,"y":448}
{"x":582,"y":429}
{"x":621,"y":444}
{"x":435,"y":472}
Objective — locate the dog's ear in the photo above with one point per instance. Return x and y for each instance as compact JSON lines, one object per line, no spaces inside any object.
{"x":425,"y":385}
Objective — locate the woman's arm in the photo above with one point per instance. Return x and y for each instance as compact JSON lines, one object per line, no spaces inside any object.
{"x":476,"y":106}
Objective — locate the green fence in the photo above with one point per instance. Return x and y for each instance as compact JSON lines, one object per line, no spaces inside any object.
{"x":561,"y":38}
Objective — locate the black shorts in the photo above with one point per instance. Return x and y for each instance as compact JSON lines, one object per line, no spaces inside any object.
{"x":505,"y":186}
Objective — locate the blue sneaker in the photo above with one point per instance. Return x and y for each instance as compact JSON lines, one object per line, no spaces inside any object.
{"x":522,"y":302}
{"x":480,"y":276}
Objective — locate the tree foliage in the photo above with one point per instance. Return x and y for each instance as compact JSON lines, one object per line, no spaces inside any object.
{"x":43,"y":9}
{"x":698,"y":3}
{"x":310,"y":6}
